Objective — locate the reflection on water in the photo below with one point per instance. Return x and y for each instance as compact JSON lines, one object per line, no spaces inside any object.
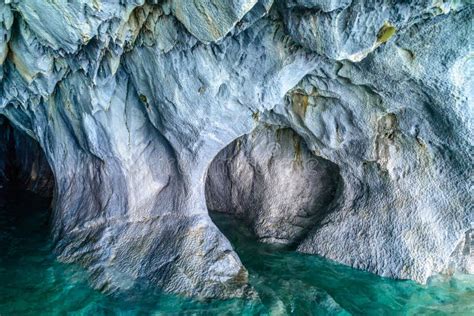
{"x":33,"y":283}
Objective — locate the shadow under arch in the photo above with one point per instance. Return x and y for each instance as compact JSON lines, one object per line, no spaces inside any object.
{"x":26,"y":191}
{"x":271,"y":181}
{"x":23,"y":164}
{"x":26,"y":185}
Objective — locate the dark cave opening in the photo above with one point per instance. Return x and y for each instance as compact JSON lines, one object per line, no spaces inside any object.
{"x":23,"y":164}
{"x":275,"y":184}
{"x":26,"y":187}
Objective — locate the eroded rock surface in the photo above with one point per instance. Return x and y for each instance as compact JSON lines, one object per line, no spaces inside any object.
{"x":132,"y":100}
{"x":271,"y":179}
{"x":210,"y":20}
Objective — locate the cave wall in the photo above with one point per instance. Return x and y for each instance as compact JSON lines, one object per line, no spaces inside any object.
{"x":132,"y":100}
{"x":5,"y":146}
{"x":274,"y":182}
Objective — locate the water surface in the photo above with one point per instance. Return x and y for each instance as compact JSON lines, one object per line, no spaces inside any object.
{"x":33,"y":283}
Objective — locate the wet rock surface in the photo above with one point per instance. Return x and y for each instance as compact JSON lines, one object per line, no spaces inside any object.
{"x":131,"y":101}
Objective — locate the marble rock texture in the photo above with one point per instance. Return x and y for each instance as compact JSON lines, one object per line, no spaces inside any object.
{"x":346,"y":128}
{"x":270,"y":179}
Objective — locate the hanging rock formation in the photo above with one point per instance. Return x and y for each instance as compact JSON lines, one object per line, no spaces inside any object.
{"x":132,"y":100}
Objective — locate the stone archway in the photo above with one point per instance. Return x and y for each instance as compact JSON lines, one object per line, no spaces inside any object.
{"x":274,"y":182}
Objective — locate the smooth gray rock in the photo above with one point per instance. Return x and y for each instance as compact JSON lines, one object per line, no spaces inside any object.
{"x":131,"y":101}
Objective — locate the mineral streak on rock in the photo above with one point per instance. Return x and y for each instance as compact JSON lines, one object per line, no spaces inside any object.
{"x":132,"y":101}
{"x":210,"y":20}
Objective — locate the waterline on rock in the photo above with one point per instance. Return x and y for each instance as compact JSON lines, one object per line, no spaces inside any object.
{"x":34,"y":283}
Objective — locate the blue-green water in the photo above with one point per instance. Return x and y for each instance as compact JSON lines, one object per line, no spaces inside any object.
{"x":33,"y":283}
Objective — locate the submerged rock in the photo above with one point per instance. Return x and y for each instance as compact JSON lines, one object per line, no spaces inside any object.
{"x":131,"y":101}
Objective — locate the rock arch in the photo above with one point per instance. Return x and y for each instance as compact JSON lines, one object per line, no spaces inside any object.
{"x":274,"y":182}
{"x":131,"y":116}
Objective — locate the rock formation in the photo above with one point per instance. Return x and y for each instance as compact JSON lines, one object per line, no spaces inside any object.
{"x":273,"y":181}
{"x":132,"y":100}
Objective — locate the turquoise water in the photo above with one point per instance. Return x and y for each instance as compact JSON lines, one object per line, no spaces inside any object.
{"x":33,"y":283}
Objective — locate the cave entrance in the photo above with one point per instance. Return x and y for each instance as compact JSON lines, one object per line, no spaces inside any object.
{"x":23,"y":164}
{"x":272,"y":181}
{"x":26,"y":190}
